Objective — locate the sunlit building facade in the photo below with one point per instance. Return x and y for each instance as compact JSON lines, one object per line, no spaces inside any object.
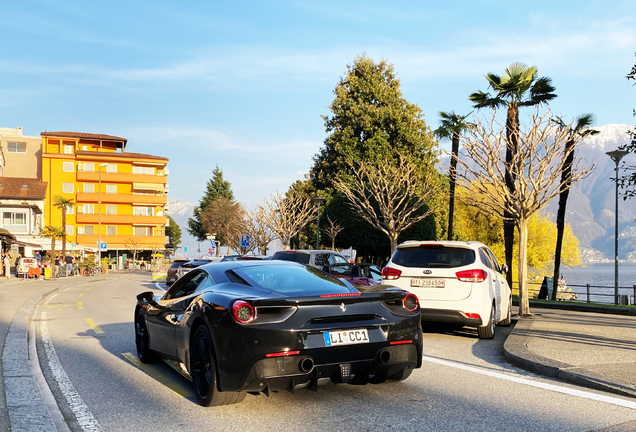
{"x":89,"y":168}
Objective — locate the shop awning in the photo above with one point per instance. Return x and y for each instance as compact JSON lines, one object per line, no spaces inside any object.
{"x":21,"y":243}
{"x":7,"y":236}
{"x":148,"y":186}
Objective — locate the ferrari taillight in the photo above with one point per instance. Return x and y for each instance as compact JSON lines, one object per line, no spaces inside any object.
{"x":410,"y":302}
{"x":242,"y":312}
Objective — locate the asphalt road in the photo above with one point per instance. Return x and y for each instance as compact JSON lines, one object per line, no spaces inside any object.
{"x":464,"y":384}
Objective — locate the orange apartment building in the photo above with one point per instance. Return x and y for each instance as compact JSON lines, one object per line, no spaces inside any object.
{"x":132,"y":187}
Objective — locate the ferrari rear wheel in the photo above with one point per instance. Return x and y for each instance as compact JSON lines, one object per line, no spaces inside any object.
{"x":204,"y":375}
{"x":142,"y":341}
{"x":400,"y":375}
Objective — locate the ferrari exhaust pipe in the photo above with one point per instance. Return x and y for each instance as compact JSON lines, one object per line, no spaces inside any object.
{"x":383,"y":356}
{"x":306,"y":364}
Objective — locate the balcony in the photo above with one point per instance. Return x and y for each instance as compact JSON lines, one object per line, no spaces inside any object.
{"x":121,"y":178}
{"x":128,"y":219}
{"x":84,"y":197}
{"x":119,"y":242}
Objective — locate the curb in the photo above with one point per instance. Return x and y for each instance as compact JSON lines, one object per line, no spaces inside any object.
{"x":25,"y":404}
{"x":517,"y":353}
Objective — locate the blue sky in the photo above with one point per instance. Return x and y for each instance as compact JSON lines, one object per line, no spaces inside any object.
{"x":243,"y":84}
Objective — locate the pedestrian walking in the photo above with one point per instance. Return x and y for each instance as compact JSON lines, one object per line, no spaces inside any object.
{"x":68,"y":260}
{"x":7,"y":265}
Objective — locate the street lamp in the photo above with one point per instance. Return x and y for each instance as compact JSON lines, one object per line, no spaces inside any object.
{"x":318,"y":201}
{"x":616,"y":156}
{"x":99,"y":213}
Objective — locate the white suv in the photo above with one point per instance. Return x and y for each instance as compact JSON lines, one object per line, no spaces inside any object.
{"x":456,"y":282}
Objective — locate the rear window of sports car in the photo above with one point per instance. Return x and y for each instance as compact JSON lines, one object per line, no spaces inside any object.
{"x":434,"y":257}
{"x":302,"y":258}
{"x":301,"y":281}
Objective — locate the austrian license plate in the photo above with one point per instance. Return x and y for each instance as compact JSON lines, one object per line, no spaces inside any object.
{"x":431,"y":283}
{"x":346,"y":337}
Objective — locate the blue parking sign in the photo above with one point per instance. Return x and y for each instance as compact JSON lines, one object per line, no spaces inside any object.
{"x":103,"y":246}
{"x":245,"y":241}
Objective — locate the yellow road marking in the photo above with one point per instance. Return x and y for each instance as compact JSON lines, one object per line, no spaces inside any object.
{"x":81,"y":295}
{"x":154,"y":372}
{"x":80,"y":305}
{"x":95,"y":327}
{"x":58,"y":306}
{"x":88,"y":288}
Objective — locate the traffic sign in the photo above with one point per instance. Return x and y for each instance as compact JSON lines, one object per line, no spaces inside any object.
{"x":245,"y":241}
{"x":103,"y":246}
{"x":185,"y":249}
{"x":210,"y":250}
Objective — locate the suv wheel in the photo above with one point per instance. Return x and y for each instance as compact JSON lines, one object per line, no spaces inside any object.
{"x":488,"y":331}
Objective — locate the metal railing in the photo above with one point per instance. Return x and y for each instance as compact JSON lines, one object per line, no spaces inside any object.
{"x":591,"y":293}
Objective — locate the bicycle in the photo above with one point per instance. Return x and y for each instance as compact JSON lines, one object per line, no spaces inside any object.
{"x":97,"y":271}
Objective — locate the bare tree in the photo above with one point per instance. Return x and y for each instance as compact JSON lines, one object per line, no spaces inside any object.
{"x":331,"y":230}
{"x":286,"y":214}
{"x":391,"y":196}
{"x":260,"y":234}
{"x":226,"y":220}
{"x":134,"y":245}
{"x":536,"y":168}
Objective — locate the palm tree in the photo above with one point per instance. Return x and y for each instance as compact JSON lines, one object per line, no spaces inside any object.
{"x":579,"y":130}
{"x":518,"y":87}
{"x":64,"y":204}
{"x":451,"y":126}
{"x":53,"y":233}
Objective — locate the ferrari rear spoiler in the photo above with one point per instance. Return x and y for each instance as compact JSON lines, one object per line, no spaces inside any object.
{"x":335,"y":299}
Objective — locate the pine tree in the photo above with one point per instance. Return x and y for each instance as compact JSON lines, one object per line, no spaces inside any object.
{"x":216,"y":188}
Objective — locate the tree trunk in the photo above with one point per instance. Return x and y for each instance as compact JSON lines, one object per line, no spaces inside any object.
{"x":512,"y":144}
{"x":524,"y":301}
{"x":393,"y":238}
{"x":566,"y":176}
{"x":64,"y":230}
{"x":453,"y":178}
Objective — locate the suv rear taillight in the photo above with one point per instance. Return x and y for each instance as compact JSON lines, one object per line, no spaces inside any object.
{"x":389,"y":273}
{"x":242,"y":312}
{"x":476,"y":275}
{"x":410,"y":302}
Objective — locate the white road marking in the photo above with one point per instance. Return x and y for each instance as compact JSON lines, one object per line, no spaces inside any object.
{"x":84,"y":417}
{"x":525,"y":381}
{"x":159,"y":286}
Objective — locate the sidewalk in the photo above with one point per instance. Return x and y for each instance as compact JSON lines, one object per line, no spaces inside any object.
{"x":22,"y":407}
{"x":595,"y":350}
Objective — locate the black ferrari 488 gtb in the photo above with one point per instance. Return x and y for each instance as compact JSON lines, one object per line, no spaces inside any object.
{"x":260,"y":326}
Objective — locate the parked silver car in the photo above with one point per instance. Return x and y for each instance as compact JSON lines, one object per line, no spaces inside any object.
{"x":314,"y":258}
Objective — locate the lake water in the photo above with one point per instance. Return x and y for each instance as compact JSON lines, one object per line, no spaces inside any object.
{"x":601,"y":274}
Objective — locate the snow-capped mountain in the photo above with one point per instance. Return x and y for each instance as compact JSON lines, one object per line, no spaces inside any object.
{"x":591,"y":203}
{"x":611,"y":136}
{"x":181,"y":211}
